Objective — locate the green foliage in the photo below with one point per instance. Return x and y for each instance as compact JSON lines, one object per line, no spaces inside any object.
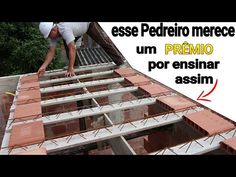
{"x":23,"y":48}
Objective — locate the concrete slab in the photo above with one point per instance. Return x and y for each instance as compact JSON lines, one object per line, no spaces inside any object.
{"x":208,"y":122}
{"x":26,"y":134}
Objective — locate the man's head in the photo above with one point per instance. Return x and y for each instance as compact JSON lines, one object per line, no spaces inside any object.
{"x":49,"y":30}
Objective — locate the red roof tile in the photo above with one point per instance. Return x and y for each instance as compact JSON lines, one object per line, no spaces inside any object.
{"x":209,"y":122}
{"x":26,"y":134}
{"x":175,"y":102}
{"x":38,"y":151}
{"x":137,"y":80}
{"x":124,"y":72}
{"x":28,"y":111}
{"x":153,"y":89}
{"x":30,"y":96}
{"x":229,"y":144}
{"x":30,"y":86}
{"x":31,"y":78}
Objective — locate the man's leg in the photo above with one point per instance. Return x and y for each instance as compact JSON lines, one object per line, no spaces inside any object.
{"x":96,"y":33}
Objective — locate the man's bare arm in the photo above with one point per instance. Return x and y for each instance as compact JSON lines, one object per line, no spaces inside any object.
{"x":50,"y":55}
{"x":72,"y":53}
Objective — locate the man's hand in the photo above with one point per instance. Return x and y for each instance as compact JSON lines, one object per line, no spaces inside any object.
{"x":48,"y":59}
{"x":41,"y":71}
{"x":70,"y":72}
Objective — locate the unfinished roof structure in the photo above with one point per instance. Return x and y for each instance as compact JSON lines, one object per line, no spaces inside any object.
{"x":109,"y":110}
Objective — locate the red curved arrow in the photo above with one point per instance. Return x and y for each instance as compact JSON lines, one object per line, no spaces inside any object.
{"x":203,"y":96}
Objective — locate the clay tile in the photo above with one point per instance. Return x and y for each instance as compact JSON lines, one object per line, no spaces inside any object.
{"x":209,"y":122}
{"x":31,"y":78}
{"x":30,"y":86}
{"x":124,"y":72}
{"x":153,"y":89}
{"x":38,"y":151}
{"x":26,"y":134}
{"x":137,"y":80}
{"x":30,"y":96}
{"x":230,"y":143}
{"x":28,"y":111}
{"x":175,"y":102}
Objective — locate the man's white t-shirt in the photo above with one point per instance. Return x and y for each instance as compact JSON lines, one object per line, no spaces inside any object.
{"x":70,"y":30}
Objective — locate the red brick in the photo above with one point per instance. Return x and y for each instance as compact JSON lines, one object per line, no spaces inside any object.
{"x":102,"y":100}
{"x":147,"y":145}
{"x":154,"y":110}
{"x":157,"y":136}
{"x":70,"y":106}
{"x":54,"y":109}
{"x":74,"y":126}
{"x":30,"y":96}
{"x":26,"y":134}
{"x":97,"y":88}
{"x":10,"y":99}
{"x":28,"y":111}
{"x":107,"y":151}
{"x":209,"y":122}
{"x":89,"y":122}
{"x":127,"y":97}
{"x":124,"y":72}
{"x":8,"y":107}
{"x":138,"y":145}
{"x":126,"y":115}
{"x":175,"y":102}
{"x":59,"y":129}
{"x":153,"y":89}
{"x":137,"y":80}
{"x":38,"y":151}
{"x":7,"y":102}
{"x":156,"y":141}
{"x":5,"y":98}
{"x":31,"y":78}
{"x":53,"y":94}
{"x":6,"y":116}
{"x":137,"y":113}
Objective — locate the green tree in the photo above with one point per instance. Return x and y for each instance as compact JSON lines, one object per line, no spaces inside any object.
{"x":23,"y":48}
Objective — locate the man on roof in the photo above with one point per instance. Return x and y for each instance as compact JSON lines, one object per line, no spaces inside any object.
{"x":71,"y":32}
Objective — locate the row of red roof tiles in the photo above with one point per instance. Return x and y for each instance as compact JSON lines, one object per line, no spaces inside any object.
{"x":29,"y":107}
{"x":206,"y":121}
